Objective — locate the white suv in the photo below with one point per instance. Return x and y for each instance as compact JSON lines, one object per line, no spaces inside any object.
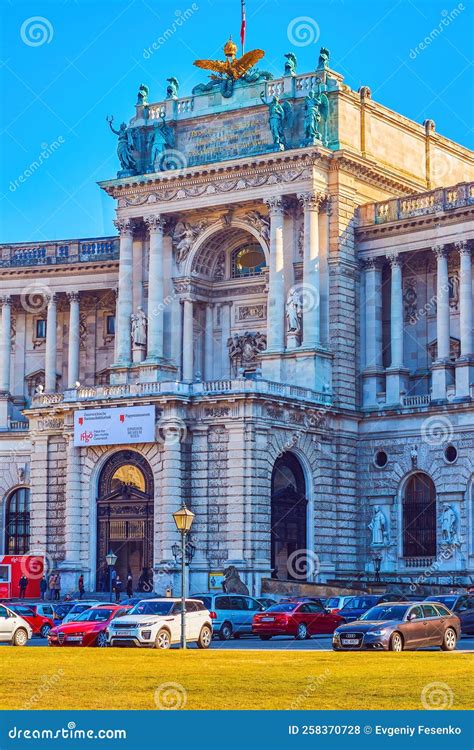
{"x":156,"y":623}
{"x":13,"y":628}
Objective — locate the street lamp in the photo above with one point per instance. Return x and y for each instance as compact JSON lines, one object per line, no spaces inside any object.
{"x":377,"y":565}
{"x":111,"y":559}
{"x":183,"y":519}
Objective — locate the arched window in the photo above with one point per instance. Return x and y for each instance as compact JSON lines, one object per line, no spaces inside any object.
{"x":419,"y":517}
{"x":17,"y":522}
{"x":247,"y":260}
{"x":288,"y":533}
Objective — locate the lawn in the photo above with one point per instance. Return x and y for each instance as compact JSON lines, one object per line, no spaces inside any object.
{"x":69,"y":678}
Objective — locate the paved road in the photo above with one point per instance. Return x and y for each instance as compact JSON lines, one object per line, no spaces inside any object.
{"x":280,"y":643}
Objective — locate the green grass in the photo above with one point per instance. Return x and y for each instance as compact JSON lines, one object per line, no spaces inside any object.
{"x":90,"y":678}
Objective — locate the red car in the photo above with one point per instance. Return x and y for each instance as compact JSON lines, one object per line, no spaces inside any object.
{"x":40,"y":624}
{"x":89,"y":628}
{"x":299,"y":619}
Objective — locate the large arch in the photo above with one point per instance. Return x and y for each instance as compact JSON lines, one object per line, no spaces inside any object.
{"x":289,"y":530}
{"x":125,"y":515}
{"x":418,"y":516}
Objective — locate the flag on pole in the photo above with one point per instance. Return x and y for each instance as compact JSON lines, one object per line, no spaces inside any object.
{"x":243,"y":27}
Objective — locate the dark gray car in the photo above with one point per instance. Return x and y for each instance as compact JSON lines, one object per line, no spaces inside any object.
{"x":400,"y":625}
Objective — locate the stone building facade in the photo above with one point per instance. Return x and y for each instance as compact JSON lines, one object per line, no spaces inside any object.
{"x":295,"y":305}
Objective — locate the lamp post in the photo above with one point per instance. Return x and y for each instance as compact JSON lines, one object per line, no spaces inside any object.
{"x":111,"y":559}
{"x":377,"y":564}
{"x":183,"y":519}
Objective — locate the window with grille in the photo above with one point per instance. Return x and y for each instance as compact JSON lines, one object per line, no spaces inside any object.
{"x":17,"y":522}
{"x":419,"y":517}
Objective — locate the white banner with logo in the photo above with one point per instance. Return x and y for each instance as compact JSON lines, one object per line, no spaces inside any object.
{"x":115,"y":426}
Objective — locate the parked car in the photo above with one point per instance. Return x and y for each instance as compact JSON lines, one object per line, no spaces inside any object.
{"x":303,"y":599}
{"x":40,"y":624}
{"x":398,"y":626}
{"x":299,"y":619}
{"x":231,"y":614}
{"x":266,"y":601}
{"x":77,"y":609}
{"x":336,"y":603}
{"x":61,"y":609}
{"x":461,"y":605}
{"x":89,"y":628}
{"x":156,"y":623}
{"x":360,"y":604}
{"x":13,"y":628}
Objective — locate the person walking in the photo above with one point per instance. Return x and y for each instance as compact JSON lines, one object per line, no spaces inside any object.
{"x":23,"y":583}
{"x":43,"y":587}
{"x":129,"y":583}
{"x":81,"y":586}
{"x":118,"y":588}
{"x":57,"y":587}
{"x":52,"y":584}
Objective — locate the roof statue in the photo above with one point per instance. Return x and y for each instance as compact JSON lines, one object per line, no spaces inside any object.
{"x":231,"y":69}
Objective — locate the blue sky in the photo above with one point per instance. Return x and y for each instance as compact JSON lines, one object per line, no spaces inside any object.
{"x":92,"y":59}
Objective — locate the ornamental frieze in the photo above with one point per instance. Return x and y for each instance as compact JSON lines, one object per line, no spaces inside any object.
{"x":50,"y":424}
{"x":250,"y":312}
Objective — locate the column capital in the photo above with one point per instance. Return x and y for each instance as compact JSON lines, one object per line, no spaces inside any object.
{"x":72,"y":297}
{"x":275,"y":204}
{"x":51,"y":298}
{"x":371,"y":264}
{"x":394,"y":259}
{"x":154,"y":223}
{"x":463,"y":247}
{"x":5,"y":300}
{"x":124,"y":227}
{"x":312,"y":201}
{"x":441,"y":251}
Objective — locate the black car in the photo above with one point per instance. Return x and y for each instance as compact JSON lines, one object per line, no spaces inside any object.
{"x":360,"y":604}
{"x":461,"y":605}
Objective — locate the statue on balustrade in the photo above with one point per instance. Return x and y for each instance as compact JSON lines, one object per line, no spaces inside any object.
{"x":279,"y":116}
{"x":378,"y":527}
{"x":161,"y":138}
{"x":294,"y":311}
{"x":139,"y":324}
{"x":290,"y":65}
{"x":449,"y":526}
{"x":323,"y":62}
{"x":172,"y":88}
{"x":315,"y":119}
{"x":125,"y":148}
{"x":142,"y":97}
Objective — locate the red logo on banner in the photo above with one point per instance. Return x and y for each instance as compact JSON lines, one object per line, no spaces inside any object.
{"x":81,"y":420}
{"x":122,"y":417}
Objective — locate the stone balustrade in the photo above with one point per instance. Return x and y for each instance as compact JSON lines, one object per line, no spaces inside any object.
{"x":59,"y":253}
{"x":430,"y":202}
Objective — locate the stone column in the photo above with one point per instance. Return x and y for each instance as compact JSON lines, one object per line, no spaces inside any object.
{"x":276,"y":282}
{"x":373,"y":372}
{"x":226,"y":308}
{"x":51,"y":346}
{"x":71,"y":565}
{"x":155,"y":226}
{"x":311,"y":316}
{"x":5,"y":345}
{"x":440,"y":368}
{"x":209,"y":343}
{"x":465,"y":363}
{"x":125,"y":294}
{"x":397,"y":374}
{"x":188,"y":341}
{"x":73,"y":340}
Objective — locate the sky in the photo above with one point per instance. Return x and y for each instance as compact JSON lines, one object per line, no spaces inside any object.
{"x":67,"y":64}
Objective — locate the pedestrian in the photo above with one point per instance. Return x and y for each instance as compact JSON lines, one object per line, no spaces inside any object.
{"x":57,"y":587}
{"x":23,"y":583}
{"x":129,"y":583}
{"x":52,"y":584}
{"x":118,"y":588}
{"x":43,"y":587}
{"x":103,"y":581}
{"x":81,"y":586}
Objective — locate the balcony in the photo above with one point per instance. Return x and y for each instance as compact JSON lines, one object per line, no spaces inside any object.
{"x":59,"y":253}
{"x":421,"y":204}
{"x":188,"y":390}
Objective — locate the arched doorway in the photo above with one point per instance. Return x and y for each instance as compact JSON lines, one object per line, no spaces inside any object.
{"x":419,"y":517}
{"x":125,"y":516}
{"x":288,"y":519}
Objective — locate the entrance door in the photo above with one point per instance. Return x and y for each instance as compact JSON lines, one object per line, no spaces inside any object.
{"x":288,"y":520}
{"x":125,"y":518}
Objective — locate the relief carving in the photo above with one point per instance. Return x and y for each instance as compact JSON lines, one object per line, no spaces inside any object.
{"x":244,"y":349}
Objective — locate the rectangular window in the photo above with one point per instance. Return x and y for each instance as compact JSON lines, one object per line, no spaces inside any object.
{"x":41,"y":329}
{"x":111,"y":325}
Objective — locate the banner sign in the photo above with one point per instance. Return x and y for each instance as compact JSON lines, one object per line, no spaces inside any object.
{"x":115,"y":426}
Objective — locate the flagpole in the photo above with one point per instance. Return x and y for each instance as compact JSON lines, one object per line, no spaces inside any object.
{"x":243,"y":26}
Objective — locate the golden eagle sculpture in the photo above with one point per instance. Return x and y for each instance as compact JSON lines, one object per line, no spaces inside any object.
{"x":231,"y":67}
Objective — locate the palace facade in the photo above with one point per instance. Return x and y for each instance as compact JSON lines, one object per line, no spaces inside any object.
{"x":290,"y":294}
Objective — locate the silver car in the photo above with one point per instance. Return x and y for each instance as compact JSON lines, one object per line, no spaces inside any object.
{"x":13,"y":628}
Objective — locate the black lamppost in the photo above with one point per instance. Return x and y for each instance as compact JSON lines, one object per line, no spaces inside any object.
{"x":111,"y":559}
{"x":183,"y":519}
{"x":377,"y":564}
